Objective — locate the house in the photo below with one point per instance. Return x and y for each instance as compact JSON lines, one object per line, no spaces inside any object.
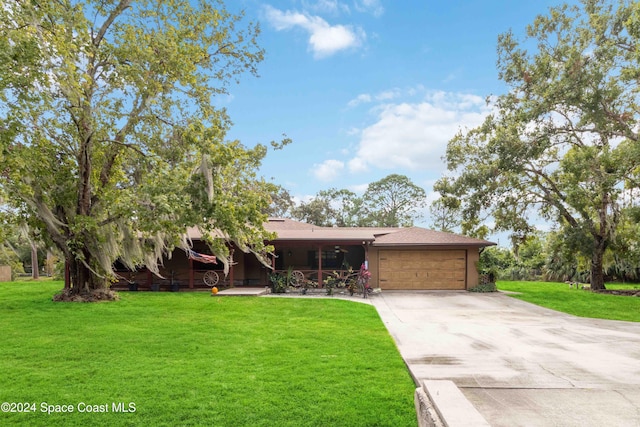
{"x":398,"y":258}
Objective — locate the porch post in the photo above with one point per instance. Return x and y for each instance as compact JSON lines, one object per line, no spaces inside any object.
{"x":231,"y":269}
{"x":319,"y":266}
{"x":190,"y":273}
{"x":366,"y":254}
{"x":149,"y":278}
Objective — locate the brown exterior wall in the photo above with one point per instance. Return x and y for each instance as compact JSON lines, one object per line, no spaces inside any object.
{"x":372,"y":258}
{"x":473,"y":257}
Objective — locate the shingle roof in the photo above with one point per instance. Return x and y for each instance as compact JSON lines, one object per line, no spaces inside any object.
{"x":288,"y":229}
{"x":421,"y":236}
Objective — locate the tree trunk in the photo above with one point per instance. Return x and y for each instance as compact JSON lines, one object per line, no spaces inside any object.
{"x":82,"y":278}
{"x":597,"y":269}
{"x":35,"y":273}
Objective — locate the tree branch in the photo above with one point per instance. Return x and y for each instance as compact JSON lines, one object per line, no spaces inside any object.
{"x":124,"y":4}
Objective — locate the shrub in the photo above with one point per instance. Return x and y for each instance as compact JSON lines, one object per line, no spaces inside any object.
{"x":279,"y":282}
{"x":485,"y":287}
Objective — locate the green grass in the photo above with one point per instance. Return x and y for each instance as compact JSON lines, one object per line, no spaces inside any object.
{"x":190,"y":359}
{"x":558,"y":296}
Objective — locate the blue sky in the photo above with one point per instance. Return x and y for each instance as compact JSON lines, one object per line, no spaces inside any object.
{"x":367,"y":88}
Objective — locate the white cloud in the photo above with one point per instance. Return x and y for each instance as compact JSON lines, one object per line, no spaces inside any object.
{"x":357,"y":165}
{"x":324,"y":39}
{"x":326,"y":6}
{"x":328,"y":170}
{"x":373,"y":7}
{"x":386,"y":95}
{"x":415,"y":135}
{"x":359,"y":188}
{"x":363,"y":98}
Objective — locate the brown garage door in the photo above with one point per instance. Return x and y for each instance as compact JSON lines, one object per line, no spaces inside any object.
{"x":422,"y":269}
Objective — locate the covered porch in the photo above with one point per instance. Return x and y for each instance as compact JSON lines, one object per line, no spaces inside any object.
{"x":319,"y":260}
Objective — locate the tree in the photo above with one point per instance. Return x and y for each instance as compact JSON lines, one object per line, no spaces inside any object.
{"x":346,"y":207}
{"x":9,"y":242}
{"x":563,"y":141}
{"x":316,"y":211}
{"x":445,"y":212}
{"x":393,"y":201}
{"x":109,"y":140}
{"x":332,"y":207}
{"x":281,"y":203}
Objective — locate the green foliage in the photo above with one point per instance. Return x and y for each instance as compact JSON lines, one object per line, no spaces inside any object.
{"x":392,"y":201}
{"x":189,"y":359}
{"x":485,"y":288}
{"x":282,"y":203}
{"x":14,"y":250}
{"x":495,"y":260}
{"x":545,"y":256}
{"x":563,"y":140}
{"x":280,"y":282}
{"x":445,"y":214}
{"x":111,"y":145}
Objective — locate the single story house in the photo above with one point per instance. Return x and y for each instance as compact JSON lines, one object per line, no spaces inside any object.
{"x":412,"y":258}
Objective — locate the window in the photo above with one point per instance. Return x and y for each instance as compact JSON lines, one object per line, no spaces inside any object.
{"x":330,"y":259}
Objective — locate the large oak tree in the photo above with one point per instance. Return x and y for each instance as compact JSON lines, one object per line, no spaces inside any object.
{"x":563,"y":142}
{"x":110,"y":142}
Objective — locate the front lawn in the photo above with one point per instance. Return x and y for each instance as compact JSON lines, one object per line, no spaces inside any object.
{"x":192,"y":359}
{"x":559,"y":296}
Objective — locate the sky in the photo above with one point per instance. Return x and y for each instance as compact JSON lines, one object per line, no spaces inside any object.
{"x":368,"y":88}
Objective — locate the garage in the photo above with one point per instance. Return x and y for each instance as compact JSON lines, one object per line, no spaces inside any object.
{"x":422,"y":269}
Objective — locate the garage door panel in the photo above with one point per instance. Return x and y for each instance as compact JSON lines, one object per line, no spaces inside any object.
{"x":422,"y":269}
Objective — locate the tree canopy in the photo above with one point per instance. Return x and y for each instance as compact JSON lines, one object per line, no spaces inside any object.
{"x":109,"y":140}
{"x":392,"y":201}
{"x":563,"y":141}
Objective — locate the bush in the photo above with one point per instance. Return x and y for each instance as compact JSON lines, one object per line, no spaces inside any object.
{"x":279,"y":282}
{"x":486,"y":287}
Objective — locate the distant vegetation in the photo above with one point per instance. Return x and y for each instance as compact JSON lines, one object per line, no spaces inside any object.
{"x":543,"y":257}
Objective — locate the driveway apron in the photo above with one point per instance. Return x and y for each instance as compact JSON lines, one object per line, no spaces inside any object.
{"x":517,"y":363}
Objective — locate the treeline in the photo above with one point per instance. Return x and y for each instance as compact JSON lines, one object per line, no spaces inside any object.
{"x":393,"y":201}
{"x":545,"y":257}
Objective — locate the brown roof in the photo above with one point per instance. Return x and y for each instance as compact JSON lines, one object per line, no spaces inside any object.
{"x":281,"y":224}
{"x":416,"y":236}
{"x":290,"y":230}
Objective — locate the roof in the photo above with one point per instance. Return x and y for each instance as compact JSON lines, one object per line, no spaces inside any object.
{"x":290,"y":230}
{"x":415,"y":236}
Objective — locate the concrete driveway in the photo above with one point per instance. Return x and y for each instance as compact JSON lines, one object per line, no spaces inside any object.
{"x":517,"y":363}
